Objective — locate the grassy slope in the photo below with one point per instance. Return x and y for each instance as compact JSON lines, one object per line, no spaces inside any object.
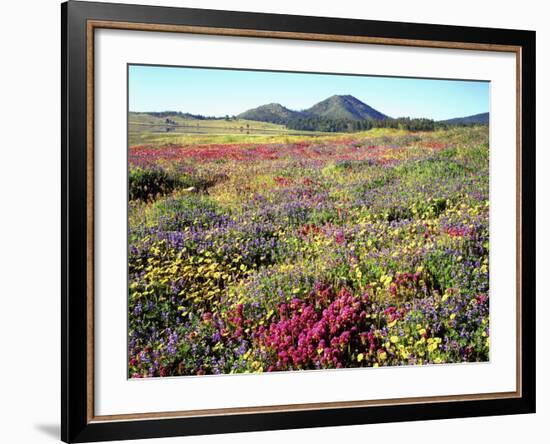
{"x":160,"y":139}
{"x":147,"y":129}
{"x":146,"y":119}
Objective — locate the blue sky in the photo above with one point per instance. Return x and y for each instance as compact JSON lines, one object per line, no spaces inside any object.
{"x":217,"y":92}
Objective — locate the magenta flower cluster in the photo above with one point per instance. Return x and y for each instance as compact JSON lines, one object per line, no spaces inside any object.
{"x":306,"y":337}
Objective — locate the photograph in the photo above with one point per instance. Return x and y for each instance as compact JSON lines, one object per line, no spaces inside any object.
{"x":282,"y":221}
{"x":276,"y":220}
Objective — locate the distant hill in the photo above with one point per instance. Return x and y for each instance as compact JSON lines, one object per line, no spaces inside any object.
{"x":169,"y":114}
{"x":272,"y":112}
{"x":481,"y":119}
{"x":335,"y":107}
{"x":344,"y":107}
{"x":337,"y":113}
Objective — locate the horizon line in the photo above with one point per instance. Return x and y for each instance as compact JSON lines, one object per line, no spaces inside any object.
{"x":301,"y":110}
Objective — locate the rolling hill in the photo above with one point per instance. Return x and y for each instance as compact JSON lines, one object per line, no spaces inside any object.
{"x":481,"y":119}
{"x":272,"y":112}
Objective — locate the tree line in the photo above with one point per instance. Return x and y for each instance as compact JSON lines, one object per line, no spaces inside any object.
{"x":324,"y":124}
{"x":329,"y":125}
{"x":169,"y":114}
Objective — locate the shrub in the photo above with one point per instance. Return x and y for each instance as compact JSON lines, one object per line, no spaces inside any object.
{"x":148,"y":183}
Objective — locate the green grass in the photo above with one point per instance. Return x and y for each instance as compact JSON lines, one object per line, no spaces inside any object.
{"x":147,"y":119}
{"x":198,"y":132}
{"x":151,"y":130}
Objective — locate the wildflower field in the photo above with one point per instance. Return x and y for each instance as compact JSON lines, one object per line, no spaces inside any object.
{"x":308,"y":252}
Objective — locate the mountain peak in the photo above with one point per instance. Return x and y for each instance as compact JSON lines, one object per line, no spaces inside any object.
{"x":273,"y":105}
{"x":343,"y":96}
{"x":344,"y":107}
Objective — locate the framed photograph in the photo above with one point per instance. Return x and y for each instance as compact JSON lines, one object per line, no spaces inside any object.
{"x":275,"y":221}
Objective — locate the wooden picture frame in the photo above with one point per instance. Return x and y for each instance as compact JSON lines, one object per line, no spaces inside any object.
{"x":79,"y":22}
